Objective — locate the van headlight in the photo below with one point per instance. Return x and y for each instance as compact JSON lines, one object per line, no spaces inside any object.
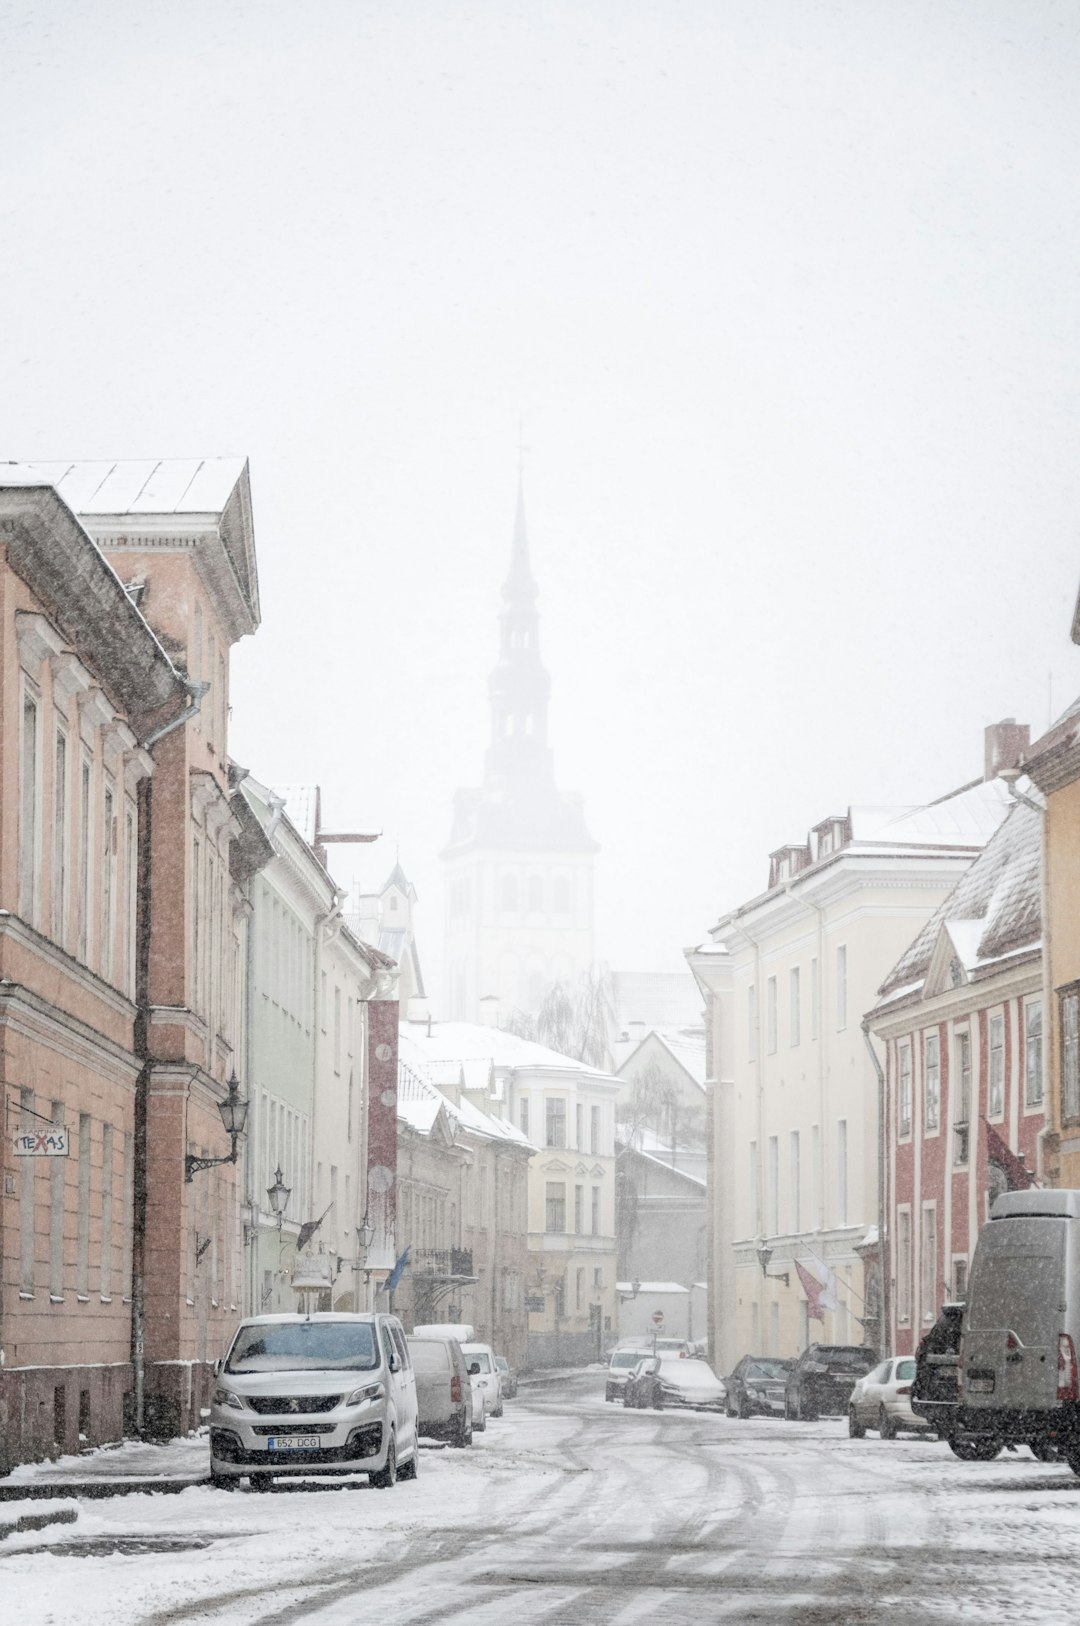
{"x":225,"y":1397}
{"x":370,"y":1391}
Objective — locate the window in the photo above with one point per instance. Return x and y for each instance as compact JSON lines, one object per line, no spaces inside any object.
{"x":794,"y":1182}
{"x":337,"y":1030}
{"x":795,"y":1011}
{"x":961,"y":1125}
{"x":1033,"y":1053}
{"x":555,"y":1112}
{"x":903,"y":1091}
{"x":903,"y":1266}
{"x":995,"y":1104}
{"x":751,"y":1022}
{"x":817,"y":1177}
{"x":594,"y":1131}
{"x":1070,"y":1052}
{"x":773,"y":1185}
{"x":579,"y":1289}
{"x":28,"y":810}
{"x":555,"y":1206}
{"x":536,"y":894}
{"x":84,"y":859}
{"x":841,"y":1172}
{"x":595,"y":1227}
{"x":932,"y":1084}
{"x":579,"y":1209}
{"x":108,"y":880}
{"x":841,"y":987}
{"x":82,"y":1256}
{"x":959,"y":1279}
{"x":59,"y":840}
{"x":815,"y":997}
{"x":523,"y":1115}
{"x":770,"y":1016}
{"x":510,"y":894}
{"x":579,"y":1126}
{"x":755,"y":1213}
{"x":929,"y":1263}
{"x":560,"y":895}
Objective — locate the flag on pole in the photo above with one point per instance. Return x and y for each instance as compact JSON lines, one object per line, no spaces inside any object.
{"x":820,"y":1295}
{"x":398,"y":1271}
{"x":1017,"y":1175}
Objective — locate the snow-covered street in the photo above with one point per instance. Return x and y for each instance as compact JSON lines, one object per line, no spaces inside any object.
{"x":570,"y":1510}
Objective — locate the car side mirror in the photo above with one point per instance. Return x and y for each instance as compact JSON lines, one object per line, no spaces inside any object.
{"x":217,"y":1367}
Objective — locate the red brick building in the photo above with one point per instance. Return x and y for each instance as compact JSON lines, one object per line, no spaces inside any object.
{"x":961,"y":1017}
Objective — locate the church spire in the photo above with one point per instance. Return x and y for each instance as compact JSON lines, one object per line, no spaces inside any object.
{"x":519,"y":685}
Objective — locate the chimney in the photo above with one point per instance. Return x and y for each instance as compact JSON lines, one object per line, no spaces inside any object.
{"x":1005,"y":744}
{"x":418,"y":1010}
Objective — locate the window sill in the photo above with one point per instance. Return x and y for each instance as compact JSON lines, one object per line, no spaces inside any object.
{"x":106,"y":1298}
{"x":25,"y":1295}
{"x":82,"y":1298}
{"x":56,"y":1298}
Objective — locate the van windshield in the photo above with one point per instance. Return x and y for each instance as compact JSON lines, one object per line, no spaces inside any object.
{"x":1017,"y":1292}
{"x":304,"y":1346}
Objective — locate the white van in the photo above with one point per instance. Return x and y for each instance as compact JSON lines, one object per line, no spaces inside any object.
{"x":319,"y":1394}
{"x":1020,"y":1335}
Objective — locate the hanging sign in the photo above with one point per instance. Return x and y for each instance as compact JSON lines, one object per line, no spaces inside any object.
{"x":51,"y":1142}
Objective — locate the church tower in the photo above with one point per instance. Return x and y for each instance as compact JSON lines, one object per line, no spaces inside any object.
{"x":519,"y":864}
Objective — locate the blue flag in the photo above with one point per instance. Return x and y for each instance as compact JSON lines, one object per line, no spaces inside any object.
{"x":398,"y":1271}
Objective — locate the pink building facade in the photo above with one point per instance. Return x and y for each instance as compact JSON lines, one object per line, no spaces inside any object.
{"x":961,"y":1018}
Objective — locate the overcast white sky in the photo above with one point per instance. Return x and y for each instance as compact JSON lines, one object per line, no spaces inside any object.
{"x":786,"y":291}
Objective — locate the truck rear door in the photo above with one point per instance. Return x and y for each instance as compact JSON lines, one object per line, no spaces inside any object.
{"x":1015,"y":1312}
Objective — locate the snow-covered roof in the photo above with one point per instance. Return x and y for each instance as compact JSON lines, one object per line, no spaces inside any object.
{"x":687,"y":1045}
{"x":175,"y":485}
{"x":651,"y":1287}
{"x":419,"y":1097}
{"x":993,"y":912}
{"x":469,"y":1041}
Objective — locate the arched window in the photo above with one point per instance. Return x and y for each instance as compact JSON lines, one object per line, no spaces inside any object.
{"x":536,"y":894}
{"x":510,"y":894}
{"x":560,"y":895}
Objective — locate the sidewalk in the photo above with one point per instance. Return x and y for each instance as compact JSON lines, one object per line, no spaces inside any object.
{"x":113,"y":1470}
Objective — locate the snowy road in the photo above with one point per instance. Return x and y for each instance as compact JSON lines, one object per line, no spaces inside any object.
{"x":570,"y":1511}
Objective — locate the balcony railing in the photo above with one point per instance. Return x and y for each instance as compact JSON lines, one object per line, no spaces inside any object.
{"x":442,"y":1262}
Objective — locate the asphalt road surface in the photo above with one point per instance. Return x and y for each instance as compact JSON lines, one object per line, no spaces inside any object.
{"x":572,"y":1512}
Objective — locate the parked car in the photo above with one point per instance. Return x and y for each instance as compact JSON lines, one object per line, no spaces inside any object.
{"x":821,"y":1379}
{"x":620,"y":1366}
{"x":687,"y":1381}
{"x":481,"y":1363}
{"x":935,"y":1393}
{"x":1020,"y":1332}
{"x":508,"y":1377}
{"x":882,"y":1400}
{"x":443,"y":1389}
{"x":644,"y":1386}
{"x":757,"y":1385}
{"x":319,"y":1394}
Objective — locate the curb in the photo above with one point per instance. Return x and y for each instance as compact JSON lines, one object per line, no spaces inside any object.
{"x":89,"y":1488}
{"x":37,"y":1521}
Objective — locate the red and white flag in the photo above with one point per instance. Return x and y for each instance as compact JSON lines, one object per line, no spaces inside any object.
{"x":820,"y":1295}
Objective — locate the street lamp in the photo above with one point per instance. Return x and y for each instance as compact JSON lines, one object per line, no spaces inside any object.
{"x":764,"y":1254}
{"x":234,"y":1116}
{"x":279,"y":1194}
{"x":365,"y":1234}
{"x":635,"y":1289}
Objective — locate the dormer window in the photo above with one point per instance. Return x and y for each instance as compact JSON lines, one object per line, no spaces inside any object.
{"x":825,"y":845}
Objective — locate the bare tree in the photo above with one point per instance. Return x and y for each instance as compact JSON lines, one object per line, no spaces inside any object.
{"x":576,"y":1019}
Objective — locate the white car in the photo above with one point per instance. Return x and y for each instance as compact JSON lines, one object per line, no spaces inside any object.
{"x":882,"y":1400}
{"x":318,"y":1394}
{"x":687,"y":1381}
{"x":485,"y":1377}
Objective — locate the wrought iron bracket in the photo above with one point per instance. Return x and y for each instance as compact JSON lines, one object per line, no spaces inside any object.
{"x":193,"y":1165}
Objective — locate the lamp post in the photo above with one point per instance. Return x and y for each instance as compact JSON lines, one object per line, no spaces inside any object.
{"x":279,"y":1194}
{"x":764,"y":1254}
{"x":233,"y":1116}
{"x":365,"y":1236}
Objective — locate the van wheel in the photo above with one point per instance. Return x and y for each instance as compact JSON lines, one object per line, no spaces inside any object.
{"x":225,"y":1482}
{"x":1072,"y":1457}
{"x":385,"y":1478}
{"x":411,"y":1469}
{"x":885,"y":1425}
{"x":1044,"y":1450}
{"x":462,"y":1435}
{"x":261,"y":1482}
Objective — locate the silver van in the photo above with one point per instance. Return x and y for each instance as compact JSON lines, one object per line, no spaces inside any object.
{"x":1020,"y":1335}
{"x":319,"y":1394}
{"x":443,"y":1391}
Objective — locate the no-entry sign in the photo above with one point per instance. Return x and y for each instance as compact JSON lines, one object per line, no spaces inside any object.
{"x":658,"y":1318}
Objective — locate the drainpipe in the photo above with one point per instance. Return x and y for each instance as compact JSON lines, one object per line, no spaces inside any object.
{"x":1010,"y":777}
{"x":141,"y":1039}
{"x":885,"y":1331}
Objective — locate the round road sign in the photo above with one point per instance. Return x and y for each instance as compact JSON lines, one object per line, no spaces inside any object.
{"x":658,"y":1318}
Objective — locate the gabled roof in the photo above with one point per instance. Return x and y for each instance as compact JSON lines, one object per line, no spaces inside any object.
{"x":468,"y":1041}
{"x":417,"y":1075}
{"x":992,"y":915}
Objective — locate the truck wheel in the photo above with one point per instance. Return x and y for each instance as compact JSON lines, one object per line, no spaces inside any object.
{"x":980,"y":1448}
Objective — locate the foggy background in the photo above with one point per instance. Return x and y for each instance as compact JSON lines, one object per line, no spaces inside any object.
{"x":786,"y":295}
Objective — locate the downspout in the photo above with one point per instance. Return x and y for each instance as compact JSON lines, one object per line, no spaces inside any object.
{"x":141,"y":1040}
{"x":885,"y":1330}
{"x":252,"y":1146}
{"x":1010,"y":776}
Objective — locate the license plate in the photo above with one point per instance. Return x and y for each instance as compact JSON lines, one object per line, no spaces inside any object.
{"x":294,"y":1442}
{"x":980,"y":1386}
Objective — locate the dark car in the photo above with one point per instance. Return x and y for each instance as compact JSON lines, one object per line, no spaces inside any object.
{"x":821,"y":1380}
{"x":643,"y":1385}
{"x":757,"y":1385}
